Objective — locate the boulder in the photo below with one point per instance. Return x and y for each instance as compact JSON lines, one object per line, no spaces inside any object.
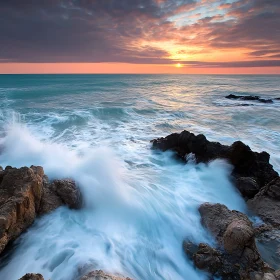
{"x":222,"y":223}
{"x":100,"y":275}
{"x":20,"y":196}
{"x":266,"y":203}
{"x":68,"y":192}
{"x":237,"y":255}
{"x":252,"y":170}
{"x":32,"y":276}
{"x":26,"y":193}
{"x":58,"y":193}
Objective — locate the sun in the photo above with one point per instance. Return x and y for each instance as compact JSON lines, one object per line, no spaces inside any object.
{"x":179,"y":65}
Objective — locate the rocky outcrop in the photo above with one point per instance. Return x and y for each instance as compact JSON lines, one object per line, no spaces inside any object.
{"x":237,"y":256}
{"x":252,"y":170}
{"x":20,"y":196}
{"x":266,"y":203}
{"x":32,"y":276}
{"x":26,"y":193}
{"x":249,"y":98}
{"x":100,"y":275}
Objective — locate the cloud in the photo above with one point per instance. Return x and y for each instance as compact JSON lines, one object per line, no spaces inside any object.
{"x":140,"y":31}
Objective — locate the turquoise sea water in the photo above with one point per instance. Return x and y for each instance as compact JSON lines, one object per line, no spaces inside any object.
{"x":139,"y":204}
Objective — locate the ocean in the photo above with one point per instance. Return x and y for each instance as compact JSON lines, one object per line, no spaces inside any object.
{"x":140,"y":204}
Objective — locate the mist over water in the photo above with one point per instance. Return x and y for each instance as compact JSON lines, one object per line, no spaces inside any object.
{"x":140,"y":204}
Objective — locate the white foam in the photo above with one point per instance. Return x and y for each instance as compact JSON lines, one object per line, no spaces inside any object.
{"x":136,"y":215}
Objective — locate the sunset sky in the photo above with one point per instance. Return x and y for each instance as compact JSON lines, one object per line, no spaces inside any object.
{"x":140,"y":36}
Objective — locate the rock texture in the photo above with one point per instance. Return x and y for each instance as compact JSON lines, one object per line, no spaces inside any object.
{"x":32,"y":276}
{"x":20,"y":196}
{"x":58,"y":193}
{"x":266,"y":203}
{"x":100,"y":275}
{"x":25,"y":193}
{"x":251,"y":169}
{"x":249,"y":98}
{"x":237,"y":256}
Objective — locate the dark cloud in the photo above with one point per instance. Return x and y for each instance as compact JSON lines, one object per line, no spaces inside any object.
{"x":110,"y":30}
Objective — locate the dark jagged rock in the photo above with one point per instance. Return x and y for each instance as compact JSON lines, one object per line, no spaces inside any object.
{"x":247,"y":186}
{"x":32,"y":276}
{"x":237,"y":256}
{"x":26,"y":193}
{"x":249,"y":98}
{"x":100,"y":275}
{"x":266,"y":203}
{"x":247,"y":164}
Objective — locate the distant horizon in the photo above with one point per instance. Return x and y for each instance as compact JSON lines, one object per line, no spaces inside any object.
{"x":126,"y":69}
{"x":219,"y":37}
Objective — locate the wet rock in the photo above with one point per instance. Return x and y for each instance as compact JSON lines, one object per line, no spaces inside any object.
{"x":249,"y":98}
{"x":58,"y":193}
{"x":204,"y":257}
{"x":237,"y":255}
{"x":266,"y":203}
{"x":100,"y":275}
{"x":218,"y":219}
{"x":268,"y":244}
{"x":32,"y":276}
{"x":20,"y":196}
{"x":247,"y":164}
{"x":26,"y":193}
{"x":262,"y":276}
{"x":50,"y":200}
{"x":247,"y":186}
{"x":68,"y":192}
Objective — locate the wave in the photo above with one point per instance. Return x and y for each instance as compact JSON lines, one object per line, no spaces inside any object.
{"x":135,"y":216}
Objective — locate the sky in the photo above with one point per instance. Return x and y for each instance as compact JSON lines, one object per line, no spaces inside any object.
{"x":140,"y":36}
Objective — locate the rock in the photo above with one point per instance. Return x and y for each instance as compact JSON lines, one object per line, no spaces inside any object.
{"x":247,"y":186}
{"x":26,"y":193}
{"x":204,"y":257}
{"x":100,"y":275}
{"x":262,"y":276}
{"x":20,"y":196}
{"x":32,"y":276}
{"x":249,"y":98}
{"x":266,"y":203}
{"x":1,"y":168}
{"x":254,"y":168}
{"x":50,"y":200}
{"x":268,"y":244}
{"x":218,"y":219}
{"x":68,"y":192}
{"x":58,"y":193}
{"x":237,"y":255}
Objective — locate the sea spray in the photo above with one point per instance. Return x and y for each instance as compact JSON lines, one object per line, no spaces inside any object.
{"x":134,"y":219}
